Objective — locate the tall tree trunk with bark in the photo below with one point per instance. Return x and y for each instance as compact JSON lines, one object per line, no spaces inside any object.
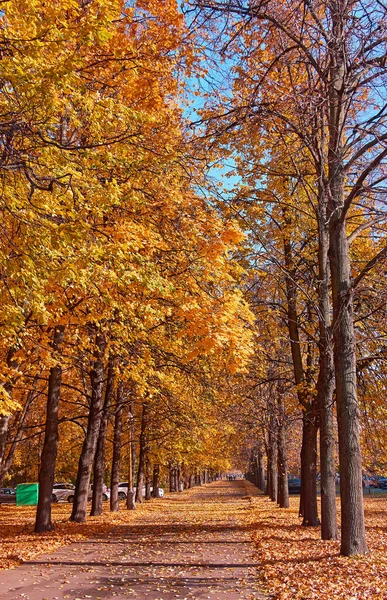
{"x":90,"y":443}
{"x":261,"y":472}
{"x":50,"y":446}
{"x":4,"y":425}
{"x":99,"y":459}
{"x":267,"y":490}
{"x":142,"y":453}
{"x":178,"y":480}
{"x":156,"y":481}
{"x":325,"y":385}
{"x":283,"y":490}
{"x":130,"y":499}
{"x":255,"y":469}
{"x":308,"y":499}
{"x":353,"y":539}
{"x":198,"y":478}
{"x":172,"y":479}
{"x":148,"y":480}
{"x":116,"y":459}
{"x":272,"y":458}
{"x":309,"y":469}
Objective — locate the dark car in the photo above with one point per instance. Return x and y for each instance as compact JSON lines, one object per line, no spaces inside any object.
{"x":294,"y":485}
{"x":382,"y":483}
{"x":7,"y":495}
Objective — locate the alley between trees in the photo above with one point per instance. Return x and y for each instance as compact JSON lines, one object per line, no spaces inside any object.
{"x":196,"y":544}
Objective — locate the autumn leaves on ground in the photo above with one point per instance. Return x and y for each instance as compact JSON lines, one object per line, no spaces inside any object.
{"x":293,"y":562}
{"x":193,"y":246}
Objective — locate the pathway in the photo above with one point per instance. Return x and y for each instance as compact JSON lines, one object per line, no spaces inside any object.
{"x":195,"y":544}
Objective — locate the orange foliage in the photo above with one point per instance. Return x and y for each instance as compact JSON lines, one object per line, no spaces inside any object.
{"x":297,"y":564}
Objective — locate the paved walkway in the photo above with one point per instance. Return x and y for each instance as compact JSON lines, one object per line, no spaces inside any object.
{"x":193,"y":545}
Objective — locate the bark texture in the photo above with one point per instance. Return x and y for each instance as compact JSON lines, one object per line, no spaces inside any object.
{"x":142,"y":453}
{"x":130,"y":499}
{"x":272,"y":460}
{"x":156,"y":481}
{"x":99,"y":459}
{"x":172,"y":479}
{"x":308,"y":499}
{"x":283,"y":490}
{"x":43,"y":520}
{"x":116,"y":458}
{"x":148,"y":480}
{"x":261,"y":471}
{"x":90,"y":443}
{"x":353,"y":539}
{"x":325,"y":385}
{"x":309,"y":470}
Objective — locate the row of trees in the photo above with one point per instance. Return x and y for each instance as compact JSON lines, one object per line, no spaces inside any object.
{"x":120,"y":306}
{"x":302,"y":115}
{"x":136,"y":318}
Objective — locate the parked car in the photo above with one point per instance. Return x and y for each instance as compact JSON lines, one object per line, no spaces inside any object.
{"x":123,"y":490}
{"x":294,"y":485}
{"x":65,"y":492}
{"x":382,"y":482}
{"x":7,"y":495}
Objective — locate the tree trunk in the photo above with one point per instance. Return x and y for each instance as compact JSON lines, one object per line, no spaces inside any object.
{"x":283,"y":490}
{"x":261,"y":471}
{"x":130,"y":500}
{"x":90,"y":443}
{"x":4,"y":424}
{"x":268,"y":485}
{"x":148,"y":480}
{"x":325,"y":386}
{"x":308,"y":497}
{"x":172,"y":479}
{"x":99,"y":459}
{"x":142,"y":453}
{"x":116,"y":459}
{"x":156,"y":481}
{"x":309,"y":469}
{"x":178,"y":480}
{"x":272,"y":460}
{"x":353,"y":540}
{"x":50,"y":446}
{"x":255,"y":470}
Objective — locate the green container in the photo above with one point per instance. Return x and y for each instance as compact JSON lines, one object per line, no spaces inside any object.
{"x":27,"y":494}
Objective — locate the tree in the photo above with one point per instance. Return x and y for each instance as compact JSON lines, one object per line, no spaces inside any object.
{"x":50,"y":446}
{"x":340,"y":48}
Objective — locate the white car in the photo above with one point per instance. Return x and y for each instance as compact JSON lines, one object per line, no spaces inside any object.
{"x":123,"y":490}
{"x":65,"y":492}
